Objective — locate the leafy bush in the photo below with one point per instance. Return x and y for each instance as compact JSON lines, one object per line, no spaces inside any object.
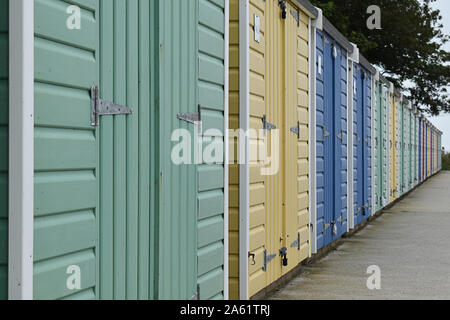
{"x":446,"y":162}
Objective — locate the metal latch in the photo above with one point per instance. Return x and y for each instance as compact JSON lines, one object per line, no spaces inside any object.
{"x":101,"y":107}
{"x":283,"y":255}
{"x":358,"y":139}
{"x":282,"y":5}
{"x":340,"y":136}
{"x":267,"y":259}
{"x":335,"y":228}
{"x":296,"y":129}
{"x":296,"y":243}
{"x":267,"y":126}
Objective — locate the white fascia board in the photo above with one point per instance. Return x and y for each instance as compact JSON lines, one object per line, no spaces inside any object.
{"x":354,"y":56}
{"x":318,"y":22}
{"x":244,"y":167}
{"x":391,"y":88}
{"x":21,"y":149}
{"x":377,"y":75}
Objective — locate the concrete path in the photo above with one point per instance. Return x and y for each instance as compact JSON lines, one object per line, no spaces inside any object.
{"x":410,"y":243}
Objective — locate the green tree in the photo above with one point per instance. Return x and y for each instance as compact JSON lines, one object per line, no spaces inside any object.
{"x":409,"y":47}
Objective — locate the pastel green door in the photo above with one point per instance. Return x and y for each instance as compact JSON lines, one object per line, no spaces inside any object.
{"x":93,"y":195}
{"x":66,"y":198}
{"x":178,"y":183}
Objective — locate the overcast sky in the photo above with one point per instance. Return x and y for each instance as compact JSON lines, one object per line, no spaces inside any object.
{"x":443,"y":121}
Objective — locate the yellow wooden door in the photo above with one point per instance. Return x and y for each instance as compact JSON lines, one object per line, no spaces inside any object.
{"x":290,"y":215}
{"x":275,"y":101}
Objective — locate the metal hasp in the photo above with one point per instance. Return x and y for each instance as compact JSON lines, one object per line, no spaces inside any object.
{"x":296,"y":243}
{"x":267,"y":126}
{"x":267,"y":259}
{"x":296,"y":129}
{"x":194,"y":118}
{"x":283,"y":255}
{"x":282,"y":5}
{"x":101,"y":107}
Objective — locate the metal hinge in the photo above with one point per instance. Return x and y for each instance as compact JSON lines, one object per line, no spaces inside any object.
{"x":101,"y":107}
{"x":296,"y":15}
{"x":194,"y":118}
{"x":267,"y":126}
{"x":267,"y":259}
{"x":325,"y":132}
{"x":325,"y":227}
{"x":296,"y":129}
{"x":197,"y":295}
{"x":296,"y":243}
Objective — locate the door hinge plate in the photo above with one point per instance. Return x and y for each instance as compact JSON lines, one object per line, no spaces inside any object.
{"x":101,"y":107}
{"x":296,"y":15}
{"x":296,"y":129}
{"x":267,"y":259}
{"x":267,"y":126}
{"x":296,"y":243}
{"x":193,"y":117}
{"x":196,"y":296}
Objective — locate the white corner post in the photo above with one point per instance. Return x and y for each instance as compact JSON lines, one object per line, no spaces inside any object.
{"x":387,"y":188}
{"x":226,"y":150}
{"x":375,"y":78}
{"x":21,"y":149}
{"x":244,"y":147}
{"x":314,"y":25}
{"x":351,"y":87}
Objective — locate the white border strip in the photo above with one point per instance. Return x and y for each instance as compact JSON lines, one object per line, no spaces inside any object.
{"x":374,"y":110}
{"x":244,"y":145}
{"x":226,"y":151}
{"x":387,"y":110}
{"x":350,"y":143}
{"x":21,"y":149}
{"x":313,"y":25}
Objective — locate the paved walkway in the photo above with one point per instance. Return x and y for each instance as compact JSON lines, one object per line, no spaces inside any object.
{"x":410,"y":243}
